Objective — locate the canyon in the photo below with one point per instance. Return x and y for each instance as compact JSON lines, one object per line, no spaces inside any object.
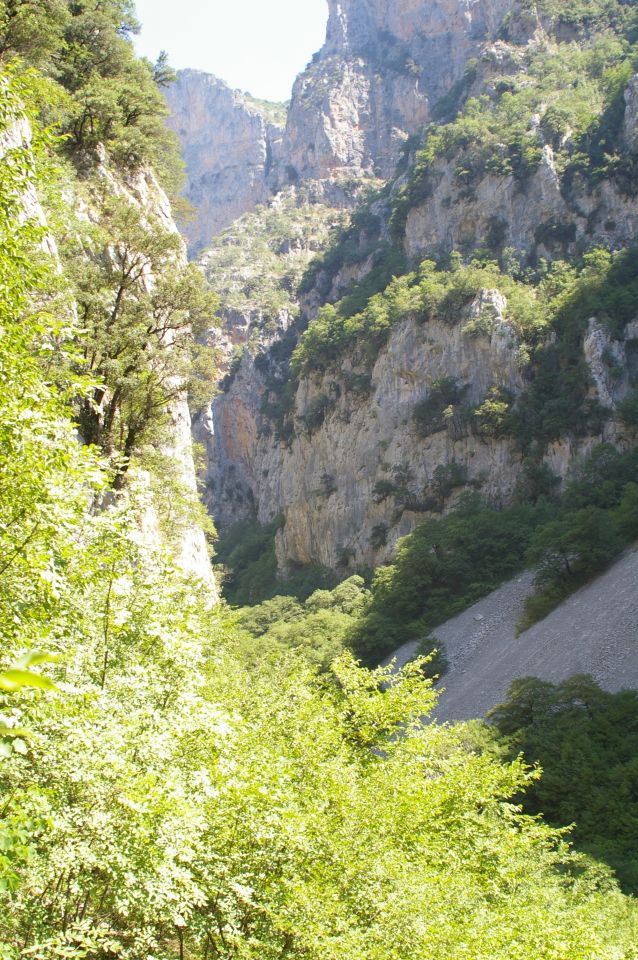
{"x":385,"y":71}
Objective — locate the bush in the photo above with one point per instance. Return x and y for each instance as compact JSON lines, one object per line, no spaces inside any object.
{"x":441,"y":568}
{"x":628,"y":409}
{"x":597,"y":518}
{"x":431,"y":414}
{"x":434,"y":291}
{"x":247,"y":552}
{"x":318,"y":628}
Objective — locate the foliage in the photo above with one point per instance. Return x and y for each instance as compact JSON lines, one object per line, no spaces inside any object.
{"x":584,"y":739}
{"x":431,"y":413}
{"x":434,"y":291}
{"x":491,"y":417}
{"x":597,"y":518}
{"x":258,"y":263}
{"x":109,"y":96}
{"x":247,"y":553}
{"x":447,"y":564}
{"x":317,"y":629}
{"x":174,"y":798}
{"x":33,"y":28}
{"x":441,"y":568}
{"x":350,"y":243}
{"x":628,"y":409}
{"x":140,"y":338}
{"x":275,"y":113}
{"x":591,"y":14}
{"x":575,"y":89}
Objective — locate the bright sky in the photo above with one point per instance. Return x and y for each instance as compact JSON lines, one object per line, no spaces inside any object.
{"x":256,"y":45}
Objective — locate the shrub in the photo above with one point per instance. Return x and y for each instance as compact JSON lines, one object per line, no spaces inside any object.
{"x":431,"y":413}
{"x":585,"y":740}
{"x":379,"y":536}
{"x":628,"y":409}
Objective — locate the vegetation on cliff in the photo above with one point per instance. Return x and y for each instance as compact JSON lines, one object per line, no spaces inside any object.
{"x":445,"y":565}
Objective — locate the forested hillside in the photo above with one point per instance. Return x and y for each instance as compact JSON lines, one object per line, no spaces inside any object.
{"x":178,"y":779}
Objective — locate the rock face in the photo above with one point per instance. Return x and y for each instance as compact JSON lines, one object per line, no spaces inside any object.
{"x":371,"y":86}
{"x":229,"y":150}
{"x":348,"y":467}
{"x":350,"y":486}
{"x":535,"y":216}
{"x":19,"y":135}
{"x":631,"y":113}
{"x":367,"y":468}
{"x":142,"y":189}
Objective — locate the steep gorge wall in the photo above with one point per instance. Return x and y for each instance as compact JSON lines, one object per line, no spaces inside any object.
{"x":369,"y":88}
{"x":348,"y":470}
{"x":353,"y":479}
{"x":142,"y":190}
{"x":229,"y":151}
{"x":374,"y":83}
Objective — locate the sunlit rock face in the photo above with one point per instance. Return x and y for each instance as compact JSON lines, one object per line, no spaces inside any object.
{"x":631,"y":113}
{"x":229,"y":148}
{"x":374,"y":82}
{"x":383,"y":69}
{"x":355,"y":23}
{"x":372,"y":85}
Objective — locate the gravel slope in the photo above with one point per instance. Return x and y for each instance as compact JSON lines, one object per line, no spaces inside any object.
{"x":595,"y":631}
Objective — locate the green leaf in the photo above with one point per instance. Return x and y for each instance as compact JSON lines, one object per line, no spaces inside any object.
{"x":16,"y":679}
{"x":8,"y":732}
{"x":34,"y":658}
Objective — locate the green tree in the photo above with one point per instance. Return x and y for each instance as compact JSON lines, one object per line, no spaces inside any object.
{"x":584,"y":739}
{"x":576,"y":546}
{"x":32,"y":29}
{"x":142,"y":312}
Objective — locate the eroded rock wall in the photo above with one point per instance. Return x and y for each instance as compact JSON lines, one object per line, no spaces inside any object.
{"x":229,"y":150}
{"x":351,"y":486}
{"x":368,"y":89}
{"x":383,"y":66}
{"x":347,"y":468}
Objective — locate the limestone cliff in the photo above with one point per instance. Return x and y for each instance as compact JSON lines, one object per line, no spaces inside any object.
{"x":336,"y":452}
{"x":355,"y":474}
{"x":372,"y":86}
{"x":230,"y":145}
{"x":374,"y":83}
{"x":142,"y":189}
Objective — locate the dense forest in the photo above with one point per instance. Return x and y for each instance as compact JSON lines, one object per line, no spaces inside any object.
{"x":183,"y":779}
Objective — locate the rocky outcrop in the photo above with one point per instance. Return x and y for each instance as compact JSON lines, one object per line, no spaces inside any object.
{"x":374,"y":82}
{"x":535,"y":216}
{"x":349,"y":470}
{"x":357,"y":472}
{"x":15,"y":136}
{"x":256,"y":266}
{"x":352,"y":486}
{"x":371,"y":87}
{"x":230,"y":147}
{"x":367,"y":468}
